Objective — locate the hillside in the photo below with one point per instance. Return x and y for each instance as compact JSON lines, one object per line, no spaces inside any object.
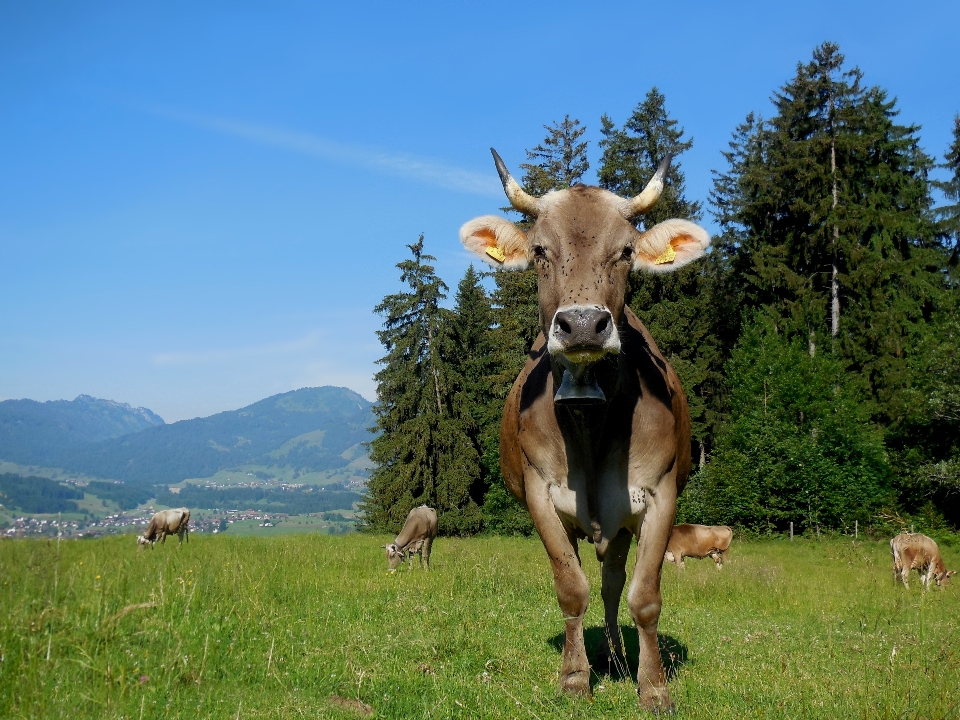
{"x":311,"y":429}
{"x":38,"y":433}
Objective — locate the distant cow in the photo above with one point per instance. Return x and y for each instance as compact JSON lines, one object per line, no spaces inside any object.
{"x":166,"y":522}
{"x":417,"y":536}
{"x":913,"y":551}
{"x":698,"y":541}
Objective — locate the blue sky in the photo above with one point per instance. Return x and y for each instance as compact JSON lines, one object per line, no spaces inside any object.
{"x":200,"y":203}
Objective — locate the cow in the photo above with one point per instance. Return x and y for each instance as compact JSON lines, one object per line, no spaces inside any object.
{"x":166,"y":522}
{"x":595,"y":438}
{"x":416,"y":537}
{"x":698,"y":541}
{"x":913,"y":551}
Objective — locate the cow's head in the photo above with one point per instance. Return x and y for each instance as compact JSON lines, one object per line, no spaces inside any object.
{"x":584,"y":246}
{"x":943,"y":579}
{"x":395,"y":556}
{"x":141,"y":540}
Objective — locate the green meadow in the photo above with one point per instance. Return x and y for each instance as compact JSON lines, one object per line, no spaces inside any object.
{"x":311,"y":625}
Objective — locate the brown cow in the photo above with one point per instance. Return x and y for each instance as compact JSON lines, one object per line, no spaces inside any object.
{"x":416,"y":537}
{"x":595,"y":439}
{"x":913,"y":551}
{"x":166,"y":522}
{"x":698,"y":541}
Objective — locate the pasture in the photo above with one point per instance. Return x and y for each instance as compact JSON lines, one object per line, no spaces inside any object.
{"x":306,"y":625}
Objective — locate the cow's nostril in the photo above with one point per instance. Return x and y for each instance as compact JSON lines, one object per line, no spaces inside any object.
{"x":602,"y":325}
{"x":564,"y":326}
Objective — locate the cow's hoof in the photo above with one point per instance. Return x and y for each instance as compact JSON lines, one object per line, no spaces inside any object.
{"x":657,"y":701}
{"x":576,"y":683}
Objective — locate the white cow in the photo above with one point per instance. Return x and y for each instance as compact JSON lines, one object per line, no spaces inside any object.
{"x":166,"y":522}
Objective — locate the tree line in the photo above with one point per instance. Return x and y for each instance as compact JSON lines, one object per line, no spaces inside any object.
{"x":818,"y":342}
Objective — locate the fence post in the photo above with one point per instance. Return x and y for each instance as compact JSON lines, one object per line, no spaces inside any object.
{"x":791,"y":531}
{"x":856,"y":529}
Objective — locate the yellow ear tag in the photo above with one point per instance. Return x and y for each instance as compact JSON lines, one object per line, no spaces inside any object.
{"x":496,"y":253}
{"x":667,"y":256}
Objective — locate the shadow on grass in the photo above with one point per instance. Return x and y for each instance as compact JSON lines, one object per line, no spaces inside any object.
{"x":673,"y":654}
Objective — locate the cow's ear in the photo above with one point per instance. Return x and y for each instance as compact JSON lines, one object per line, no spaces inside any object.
{"x":497,"y":241}
{"x":670,"y":245}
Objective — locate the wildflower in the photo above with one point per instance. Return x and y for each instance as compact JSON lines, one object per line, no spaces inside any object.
{"x":98,"y":577}
{"x":143,"y":679}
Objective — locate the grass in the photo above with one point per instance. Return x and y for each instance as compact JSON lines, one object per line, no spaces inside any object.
{"x":281,"y":627}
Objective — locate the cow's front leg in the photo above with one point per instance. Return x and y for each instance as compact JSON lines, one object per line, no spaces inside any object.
{"x":644,"y":596}
{"x":570,"y":584}
{"x":614,"y":576}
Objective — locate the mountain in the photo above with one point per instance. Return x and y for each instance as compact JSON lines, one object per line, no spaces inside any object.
{"x":311,"y":429}
{"x":36,"y":433}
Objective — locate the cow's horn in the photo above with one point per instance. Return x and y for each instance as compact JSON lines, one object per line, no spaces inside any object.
{"x":520,"y":200}
{"x":651,"y":193}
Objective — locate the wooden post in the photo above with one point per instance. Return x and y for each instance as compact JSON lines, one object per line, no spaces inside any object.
{"x":791,"y":531}
{"x":911,"y":527}
{"x":856,"y":529}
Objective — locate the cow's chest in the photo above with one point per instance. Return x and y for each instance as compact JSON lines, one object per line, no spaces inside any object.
{"x":601,"y":483}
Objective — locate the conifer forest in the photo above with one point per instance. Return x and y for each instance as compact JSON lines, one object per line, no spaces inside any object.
{"x":818,"y":341}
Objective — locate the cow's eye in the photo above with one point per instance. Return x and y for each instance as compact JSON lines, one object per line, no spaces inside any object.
{"x":627,"y":253}
{"x":539,"y":252}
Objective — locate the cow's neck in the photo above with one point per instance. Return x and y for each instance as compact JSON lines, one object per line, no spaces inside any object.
{"x":586,"y":428}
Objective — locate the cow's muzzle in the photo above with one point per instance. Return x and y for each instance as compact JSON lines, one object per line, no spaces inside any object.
{"x":583,"y":333}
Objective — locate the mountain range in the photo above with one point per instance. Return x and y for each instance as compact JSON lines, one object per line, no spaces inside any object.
{"x":306,"y":430}
{"x":38,"y":433}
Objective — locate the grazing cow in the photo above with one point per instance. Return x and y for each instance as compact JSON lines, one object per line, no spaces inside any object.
{"x":913,"y":551}
{"x":419,"y":530}
{"x":595,"y":439}
{"x":698,"y":541}
{"x":166,"y":522}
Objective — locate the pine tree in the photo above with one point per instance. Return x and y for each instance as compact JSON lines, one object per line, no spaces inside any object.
{"x":675,"y":307}
{"x":423,"y":453}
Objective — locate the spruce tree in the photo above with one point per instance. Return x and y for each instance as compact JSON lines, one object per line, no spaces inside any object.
{"x":559,"y":162}
{"x":949,"y":214}
{"x":800,"y":445}
{"x":676,"y":307}
{"x":423,"y":453}
{"x":830,"y":207}
{"x":828,"y":230}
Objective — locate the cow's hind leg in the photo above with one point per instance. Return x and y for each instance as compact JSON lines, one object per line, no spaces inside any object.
{"x":614,"y":573}
{"x":645,"y":601}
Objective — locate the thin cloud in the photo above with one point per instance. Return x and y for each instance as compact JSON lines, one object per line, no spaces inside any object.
{"x":204,"y":357}
{"x":426,"y":170}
